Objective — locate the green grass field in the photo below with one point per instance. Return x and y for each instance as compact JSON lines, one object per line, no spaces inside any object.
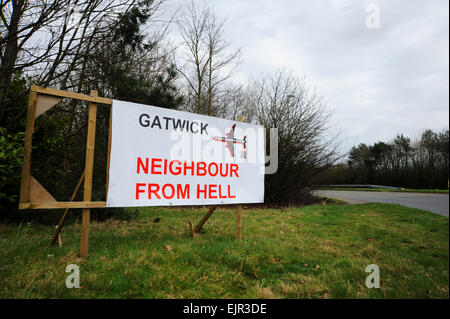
{"x":308,"y":252}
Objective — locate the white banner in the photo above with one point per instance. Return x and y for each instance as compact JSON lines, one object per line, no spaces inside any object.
{"x":162,"y":157}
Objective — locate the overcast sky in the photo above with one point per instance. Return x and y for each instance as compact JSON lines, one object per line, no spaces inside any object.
{"x":377,"y":81}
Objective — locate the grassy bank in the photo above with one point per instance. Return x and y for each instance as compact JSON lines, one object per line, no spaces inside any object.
{"x":308,"y":252}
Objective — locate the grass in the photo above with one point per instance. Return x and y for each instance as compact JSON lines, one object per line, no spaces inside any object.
{"x":309,"y":252}
{"x":405,"y":190}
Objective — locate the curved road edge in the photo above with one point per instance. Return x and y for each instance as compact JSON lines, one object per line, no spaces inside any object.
{"x":435,"y":203}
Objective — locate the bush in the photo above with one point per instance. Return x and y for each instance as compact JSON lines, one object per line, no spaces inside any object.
{"x":11,"y":155}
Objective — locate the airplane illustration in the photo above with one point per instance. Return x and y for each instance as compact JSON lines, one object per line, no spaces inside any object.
{"x":230,"y":141}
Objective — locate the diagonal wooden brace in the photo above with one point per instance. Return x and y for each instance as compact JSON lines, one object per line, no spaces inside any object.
{"x":205,"y":218}
{"x":66,"y":211}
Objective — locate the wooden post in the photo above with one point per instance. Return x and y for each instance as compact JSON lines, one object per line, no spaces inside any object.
{"x":191,"y":227}
{"x":25,"y":184}
{"x":109,"y":150}
{"x":238,"y":222}
{"x":59,"y":237}
{"x":205,"y":218}
{"x":90,"y":146}
{"x":239,"y":209}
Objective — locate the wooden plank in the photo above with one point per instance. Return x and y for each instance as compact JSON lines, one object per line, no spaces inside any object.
{"x":66,"y":211}
{"x":205,"y":218}
{"x":85,"y":221}
{"x":238,"y":222}
{"x":38,"y":193}
{"x":71,"y":95}
{"x":59,"y":205}
{"x":45,"y":102}
{"x":90,"y":146}
{"x":191,"y":227}
{"x":26,"y":165}
{"x":109,"y":150}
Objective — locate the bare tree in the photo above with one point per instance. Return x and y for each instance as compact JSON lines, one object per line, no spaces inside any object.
{"x":234,"y":103}
{"x":50,"y":38}
{"x":306,"y":142}
{"x":208,"y":61}
{"x":20,"y":20}
{"x":125,"y":63}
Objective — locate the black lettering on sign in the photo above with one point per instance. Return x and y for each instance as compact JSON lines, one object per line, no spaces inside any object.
{"x":192,"y":130}
{"x":156,"y":122}
{"x":144,"y":122}
{"x":176,"y":124}
{"x":203,"y":128}
{"x":167,"y":121}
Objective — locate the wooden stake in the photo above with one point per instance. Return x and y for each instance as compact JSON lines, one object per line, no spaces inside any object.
{"x":66,"y":211}
{"x":238,"y":222}
{"x":239,"y":209}
{"x":59,"y":237}
{"x":90,"y":146}
{"x":205,"y":218}
{"x":191,"y":227}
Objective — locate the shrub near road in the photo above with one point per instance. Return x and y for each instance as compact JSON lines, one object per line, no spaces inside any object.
{"x":308,"y":252}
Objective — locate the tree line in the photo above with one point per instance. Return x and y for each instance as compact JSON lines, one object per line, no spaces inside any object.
{"x":402,"y":162}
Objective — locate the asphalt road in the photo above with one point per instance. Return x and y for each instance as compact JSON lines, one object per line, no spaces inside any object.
{"x":436,"y":203}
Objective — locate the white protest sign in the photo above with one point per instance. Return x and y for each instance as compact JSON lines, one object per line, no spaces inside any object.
{"x":162,"y":157}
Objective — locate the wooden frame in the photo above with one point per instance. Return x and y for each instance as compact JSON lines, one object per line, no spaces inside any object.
{"x":34,"y":196}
